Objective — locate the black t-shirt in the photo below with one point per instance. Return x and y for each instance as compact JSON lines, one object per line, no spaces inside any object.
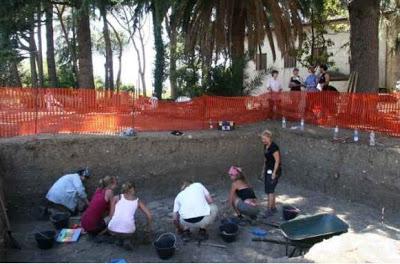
{"x":269,"y":157}
{"x":297,"y":82}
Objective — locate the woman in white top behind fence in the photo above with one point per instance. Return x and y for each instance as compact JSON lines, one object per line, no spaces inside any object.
{"x":122,"y":213}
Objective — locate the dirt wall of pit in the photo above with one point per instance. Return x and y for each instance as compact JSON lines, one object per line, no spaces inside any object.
{"x":2,"y":220}
{"x":158,"y":162}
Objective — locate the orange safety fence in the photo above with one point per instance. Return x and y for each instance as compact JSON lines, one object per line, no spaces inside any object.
{"x":28,"y":111}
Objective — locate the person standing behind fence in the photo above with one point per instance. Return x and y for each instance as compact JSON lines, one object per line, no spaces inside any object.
{"x":272,"y":170}
{"x":324,"y":79}
{"x":296,"y":82}
{"x":153,"y":100}
{"x":274,"y":86}
{"x":311,"y":81}
{"x":51,"y":102}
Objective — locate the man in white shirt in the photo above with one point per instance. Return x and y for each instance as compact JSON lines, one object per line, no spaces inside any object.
{"x":68,"y":191}
{"x":275,"y":87}
{"x":194,"y":208}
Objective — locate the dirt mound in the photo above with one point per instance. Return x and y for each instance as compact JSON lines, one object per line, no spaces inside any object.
{"x":356,"y":248}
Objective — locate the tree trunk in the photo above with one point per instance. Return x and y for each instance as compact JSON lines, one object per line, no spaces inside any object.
{"x":143,"y":72}
{"x":172,"y":66}
{"x":70,"y":43}
{"x":364,"y":43}
{"x":393,"y":48}
{"x":39,"y":51}
{"x":159,"y":73}
{"x":108,"y":66}
{"x":85,"y":77}
{"x":172,"y":34}
{"x":141,"y":56}
{"x":237,"y":48}
{"x":120,"y":51}
{"x":51,"y":62}
{"x":14,"y":74}
{"x":32,"y":56}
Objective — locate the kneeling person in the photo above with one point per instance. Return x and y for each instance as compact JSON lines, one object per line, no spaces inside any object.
{"x":242,"y":196}
{"x":122,"y":212}
{"x":68,"y":192}
{"x":194,"y":208}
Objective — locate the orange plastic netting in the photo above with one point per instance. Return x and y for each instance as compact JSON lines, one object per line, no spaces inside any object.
{"x":26,"y":111}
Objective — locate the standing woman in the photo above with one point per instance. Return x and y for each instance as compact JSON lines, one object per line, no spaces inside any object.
{"x":93,"y":219}
{"x":272,"y":170}
{"x":324,"y":78}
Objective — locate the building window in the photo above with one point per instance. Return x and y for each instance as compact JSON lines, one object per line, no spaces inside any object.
{"x":261,"y":62}
{"x":289,"y":61}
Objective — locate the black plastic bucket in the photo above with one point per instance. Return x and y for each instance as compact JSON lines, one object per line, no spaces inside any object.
{"x":45,"y":239}
{"x":289,"y":212}
{"x":229,"y":231}
{"x":165,"y":245}
{"x":60,"y":220}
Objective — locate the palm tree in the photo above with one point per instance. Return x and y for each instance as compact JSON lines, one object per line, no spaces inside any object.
{"x":226,"y":24}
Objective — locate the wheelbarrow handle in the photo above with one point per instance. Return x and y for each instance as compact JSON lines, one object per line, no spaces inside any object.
{"x":274,"y":241}
{"x":280,"y":242}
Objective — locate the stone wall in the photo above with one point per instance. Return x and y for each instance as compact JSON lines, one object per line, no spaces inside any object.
{"x":158,"y":162}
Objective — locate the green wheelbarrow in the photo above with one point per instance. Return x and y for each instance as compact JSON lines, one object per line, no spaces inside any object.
{"x":302,"y":233}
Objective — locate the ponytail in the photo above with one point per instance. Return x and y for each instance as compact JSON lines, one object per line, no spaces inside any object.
{"x":107,"y":181}
{"x":127,"y":186}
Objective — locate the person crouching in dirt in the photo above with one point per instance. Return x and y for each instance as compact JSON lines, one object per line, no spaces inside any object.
{"x":123,"y":208}
{"x":95,"y":216}
{"x":68,"y":193}
{"x":193,"y":208}
{"x":242,"y":196}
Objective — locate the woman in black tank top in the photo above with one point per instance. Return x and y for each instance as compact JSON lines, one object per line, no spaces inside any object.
{"x":324,"y":78}
{"x":242,"y":197}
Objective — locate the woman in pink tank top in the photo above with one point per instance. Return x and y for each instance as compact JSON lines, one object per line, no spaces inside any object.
{"x":123,"y":209}
{"x":93,"y":218}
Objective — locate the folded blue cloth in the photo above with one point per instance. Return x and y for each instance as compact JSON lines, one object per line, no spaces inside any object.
{"x":118,"y":261}
{"x":258,"y":232}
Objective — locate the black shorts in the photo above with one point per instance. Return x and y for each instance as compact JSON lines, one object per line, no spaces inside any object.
{"x":270,"y":184}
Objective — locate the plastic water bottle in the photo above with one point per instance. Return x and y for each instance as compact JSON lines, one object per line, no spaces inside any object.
{"x":355,"y":136}
{"x":302,"y":124}
{"x":283,"y":122}
{"x":372,"y":138}
{"x":336,"y":133}
{"x":211,"y":124}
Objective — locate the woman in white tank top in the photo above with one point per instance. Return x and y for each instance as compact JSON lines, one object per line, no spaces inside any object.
{"x":122,"y":213}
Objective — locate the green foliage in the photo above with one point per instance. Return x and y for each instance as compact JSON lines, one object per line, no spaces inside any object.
{"x":224,"y":82}
{"x":66,"y":76}
{"x":314,"y":49}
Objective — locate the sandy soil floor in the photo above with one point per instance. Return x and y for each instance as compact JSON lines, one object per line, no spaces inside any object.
{"x":362,"y":220}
